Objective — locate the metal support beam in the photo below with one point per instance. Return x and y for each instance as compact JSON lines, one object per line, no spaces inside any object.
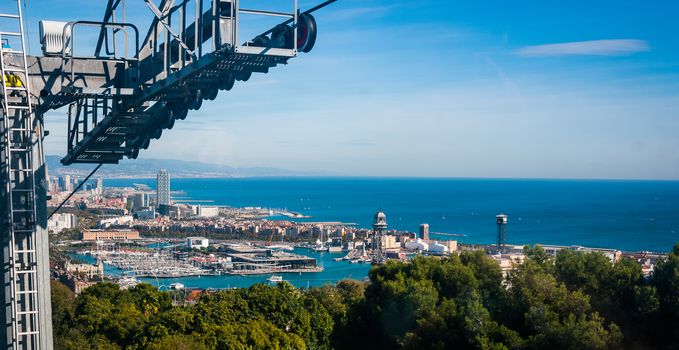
{"x":159,"y":15}
{"x":108,"y":17}
{"x":147,"y":47}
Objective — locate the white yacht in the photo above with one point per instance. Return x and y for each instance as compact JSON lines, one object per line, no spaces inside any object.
{"x":275,"y":279}
{"x":177,"y":286}
{"x":128,"y":282}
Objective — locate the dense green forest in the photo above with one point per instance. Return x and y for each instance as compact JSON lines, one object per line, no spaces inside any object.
{"x":571,"y":301}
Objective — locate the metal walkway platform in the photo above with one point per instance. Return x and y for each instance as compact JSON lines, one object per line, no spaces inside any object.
{"x":123,"y":134}
{"x":119,"y":101}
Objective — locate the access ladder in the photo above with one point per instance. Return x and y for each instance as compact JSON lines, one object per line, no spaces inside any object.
{"x":18,"y":138}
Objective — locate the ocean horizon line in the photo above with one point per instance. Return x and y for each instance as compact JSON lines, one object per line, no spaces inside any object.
{"x":378,"y":177}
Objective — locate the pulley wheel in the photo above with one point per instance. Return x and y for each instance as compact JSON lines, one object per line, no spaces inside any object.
{"x":181,"y":113}
{"x":244,"y":76}
{"x":211,"y":94}
{"x":306,"y":32}
{"x":169,"y":121}
{"x":196,"y":100}
{"x":146,"y":143}
{"x":157,"y":133}
{"x":133,"y":154}
{"x":227,"y":82}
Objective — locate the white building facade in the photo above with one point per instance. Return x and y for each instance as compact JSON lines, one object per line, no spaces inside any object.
{"x":197,"y":242}
{"x":62,"y":221}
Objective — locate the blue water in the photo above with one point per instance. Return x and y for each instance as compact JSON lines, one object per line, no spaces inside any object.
{"x":627,"y":215}
{"x":333,"y":272}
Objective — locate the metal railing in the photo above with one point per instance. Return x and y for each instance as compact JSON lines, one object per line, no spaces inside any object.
{"x":84,"y":115}
{"x":246,"y":47}
{"x":69,"y":42}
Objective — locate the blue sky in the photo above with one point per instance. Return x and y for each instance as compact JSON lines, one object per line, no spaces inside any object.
{"x":577,"y":89}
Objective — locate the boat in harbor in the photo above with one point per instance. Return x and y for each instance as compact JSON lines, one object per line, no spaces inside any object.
{"x":275,"y":279}
{"x":177,"y":286}
{"x":320,"y":247}
{"x":128,"y":282}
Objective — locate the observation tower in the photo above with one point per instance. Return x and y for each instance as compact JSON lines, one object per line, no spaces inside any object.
{"x":379,"y":231}
{"x":501,"y":220}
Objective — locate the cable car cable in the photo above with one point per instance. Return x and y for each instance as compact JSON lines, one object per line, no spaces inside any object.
{"x":75,"y":190}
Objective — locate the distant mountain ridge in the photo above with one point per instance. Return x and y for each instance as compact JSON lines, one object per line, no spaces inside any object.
{"x":147,"y":168}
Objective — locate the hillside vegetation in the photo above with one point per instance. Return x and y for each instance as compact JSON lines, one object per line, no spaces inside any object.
{"x":573,"y":301}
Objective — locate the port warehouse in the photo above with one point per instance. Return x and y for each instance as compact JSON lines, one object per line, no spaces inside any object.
{"x":247,"y":257}
{"x":251,"y":258}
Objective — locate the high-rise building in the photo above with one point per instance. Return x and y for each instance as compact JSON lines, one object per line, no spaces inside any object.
{"x":139,"y":200}
{"x":424,"y":232}
{"x":100,"y":186}
{"x":340,"y":232}
{"x":325,"y":234}
{"x":316,"y":232}
{"x":65,"y":183}
{"x":53,"y":184}
{"x":134,"y":202}
{"x":292,"y":232}
{"x":163,"y":188}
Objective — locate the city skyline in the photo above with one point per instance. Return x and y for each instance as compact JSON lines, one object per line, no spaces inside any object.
{"x":479,"y":92}
{"x":177,"y":177}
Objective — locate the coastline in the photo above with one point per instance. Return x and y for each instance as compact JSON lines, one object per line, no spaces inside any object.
{"x":626,"y":215}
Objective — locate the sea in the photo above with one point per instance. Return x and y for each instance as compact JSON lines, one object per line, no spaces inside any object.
{"x":628,"y":215}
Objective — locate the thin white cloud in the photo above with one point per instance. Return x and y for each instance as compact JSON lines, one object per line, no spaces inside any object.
{"x":616,"y":47}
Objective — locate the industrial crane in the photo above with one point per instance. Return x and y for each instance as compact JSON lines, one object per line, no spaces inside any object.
{"x":126,"y":92}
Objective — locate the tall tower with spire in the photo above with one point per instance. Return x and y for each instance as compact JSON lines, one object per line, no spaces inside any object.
{"x":501,"y":220}
{"x":379,"y":231}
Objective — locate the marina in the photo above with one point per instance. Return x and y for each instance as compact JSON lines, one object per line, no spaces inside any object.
{"x":332,"y":272}
{"x":144,"y":264}
{"x":232,"y":259}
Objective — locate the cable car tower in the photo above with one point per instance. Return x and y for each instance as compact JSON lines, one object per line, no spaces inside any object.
{"x":125,"y":92}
